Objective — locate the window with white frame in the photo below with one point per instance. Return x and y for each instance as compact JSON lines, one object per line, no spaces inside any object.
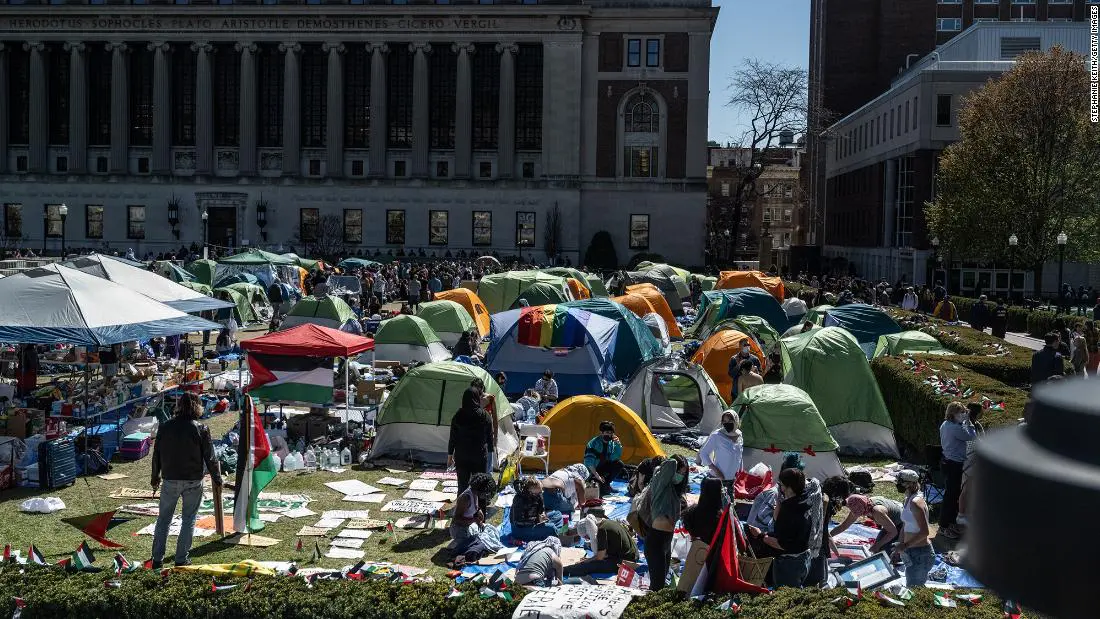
{"x":633,"y":52}
{"x":949,"y":24}
{"x":641,"y":136}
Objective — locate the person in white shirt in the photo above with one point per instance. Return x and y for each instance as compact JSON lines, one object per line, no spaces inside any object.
{"x":909,"y":301}
{"x":721,"y":452}
{"x":547,"y":387}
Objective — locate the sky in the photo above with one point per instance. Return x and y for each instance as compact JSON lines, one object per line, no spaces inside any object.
{"x":776,"y":31}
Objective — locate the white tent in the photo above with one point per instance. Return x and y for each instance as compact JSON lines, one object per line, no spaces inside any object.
{"x":147,"y":283}
{"x":58,"y":305}
{"x":795,"y":308}
{"x":673,"y":395}
{"x":659,"y":330}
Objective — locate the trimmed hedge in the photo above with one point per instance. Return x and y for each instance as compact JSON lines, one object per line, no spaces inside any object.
{"x":916,"y":409}
{"x":50,"y":592}
{"x":974,"y":348}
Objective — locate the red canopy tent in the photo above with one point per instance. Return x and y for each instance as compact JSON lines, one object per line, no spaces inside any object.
{"x":310,"y":340}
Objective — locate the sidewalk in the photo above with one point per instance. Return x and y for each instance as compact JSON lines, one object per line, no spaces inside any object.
{"x":1022,"y":339}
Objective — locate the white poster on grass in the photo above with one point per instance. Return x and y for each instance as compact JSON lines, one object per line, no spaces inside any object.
{"x":574,"y":602}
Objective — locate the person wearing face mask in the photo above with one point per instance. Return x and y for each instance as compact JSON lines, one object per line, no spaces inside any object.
{"x":955,"y":432}
{"x":914,"y":550}
{"x":721,"y":452}
{"x":794,"y":530}
{"x":611,"y":542}
{"x":660,"y":505}
{"x":603,"y":457}
{"x":744,"y":354}
{"x":530,"y":520}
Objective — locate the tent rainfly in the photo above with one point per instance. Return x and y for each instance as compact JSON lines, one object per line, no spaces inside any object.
{"x":469,"y":300}
{"x":147,"y":283}
{"x":906,"y":342}
{"x":573,"y":422}
{"x":501,"y":291}
{"x":782,"y":418}
{"x":634,"y":342}
{"x":327,"y":311}
{"x":752,"y":279}
{"x":407,"y":339}
{"x":448,"y":319}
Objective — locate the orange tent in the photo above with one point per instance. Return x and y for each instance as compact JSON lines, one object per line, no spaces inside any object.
{"x":715,"y":354}
{"x":751,"y":279}
{"x":578,"y":290}
{"x":469,"y":300}
{"x":654,"y":303}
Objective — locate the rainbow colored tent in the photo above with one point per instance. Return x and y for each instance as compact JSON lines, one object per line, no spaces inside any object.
{"x":577,"y":345}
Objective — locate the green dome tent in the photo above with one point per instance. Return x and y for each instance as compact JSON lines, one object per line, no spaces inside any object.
{"x":896,"y":344}
{"x":817,"y":314}
{"x":829,"y":365}
{"x":357,"y":263}
{"x":408,"y":339}
{"x":706,"y":282}
{"x":448,"y":319}
{"x":541,"y":293}
{"x":197,"y":287}
{"x":753,"y":326}
{"x":634,"y":342}
{"x":500,"y":291}
{"x":256,"y":257}
{"x":782,"y":418}
{"x":245,"y":313}
{"x":646,"y":265}
{"x":719,"y":305}
{"x":171,"y":271}
{"x":203,"y":270}
{"x":596,"y":285}
{"x":326,"y":311}
{"x":415,"y":421}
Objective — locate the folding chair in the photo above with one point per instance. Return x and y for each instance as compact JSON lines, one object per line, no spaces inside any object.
{"x":932,"y":481}
{"x":536,"y":451}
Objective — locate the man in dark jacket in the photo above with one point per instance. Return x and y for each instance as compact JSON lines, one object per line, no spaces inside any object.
{"x":1048,"y":361}
{"x":998,"y":320}
{"x":979,"y":314}
{"x":182,"y":448}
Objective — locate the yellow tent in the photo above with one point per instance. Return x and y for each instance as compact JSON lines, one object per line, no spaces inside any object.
{"x":573,"y":422}
{"x":469,"y":300}
{"x":578,"y":289}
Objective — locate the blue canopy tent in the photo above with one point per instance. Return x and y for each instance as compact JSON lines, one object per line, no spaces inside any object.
{"x":863,"y":321}
{"x":577,"y":345}
{"x":718,"y":305}
{"x":635,"y":344}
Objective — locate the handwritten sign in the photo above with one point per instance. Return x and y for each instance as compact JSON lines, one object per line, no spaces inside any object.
{"x":409,"y":506}
{"x":574,"y":602}
{"x":424,"y":484}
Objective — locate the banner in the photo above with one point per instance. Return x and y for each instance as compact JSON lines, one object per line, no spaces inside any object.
{"x":574,"y":602}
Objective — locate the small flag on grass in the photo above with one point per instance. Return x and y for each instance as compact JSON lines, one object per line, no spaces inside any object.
{"x":944,"y":600}
{"x":7,"y":553}
{"x":259,"y":469}
{"x":19,"y":606}
{"x":123,"y":565}
{"x":34,"y":556}
{"x":82,"y":558}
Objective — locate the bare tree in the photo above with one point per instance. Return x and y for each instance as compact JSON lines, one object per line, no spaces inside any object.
{"x":326,"y":240}
{"x":552,"y":237}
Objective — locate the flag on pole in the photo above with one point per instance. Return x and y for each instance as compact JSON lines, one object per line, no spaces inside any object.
{"x":95,"y":526}
{"x":259,"y":469}
{"x":35,"y":556}
{"x":19,"y":605}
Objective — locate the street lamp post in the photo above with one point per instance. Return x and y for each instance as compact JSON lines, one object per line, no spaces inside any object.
{"x":205,"y":220}
{"x":63,"y":210}
{"x":1062,"y":239}
{"x":935,"y":258}
{"x":1012,"y":243}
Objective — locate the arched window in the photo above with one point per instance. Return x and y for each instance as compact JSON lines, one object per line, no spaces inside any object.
{"x":641,"y":135}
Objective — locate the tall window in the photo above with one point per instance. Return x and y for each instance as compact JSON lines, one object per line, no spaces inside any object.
{"x":357,"y":97}
{"x":943,"y":110}
{"x":13,"y":221}
{"x":634,"y":52}
{"x":309,"y":224}
{"x":227,"y":96}
{"x":437,"y":227}
{"x":904,"y":203}
{"x":59,"y":95}
{"x":399,"y":100}
{"x":135,"y":222}
{"x":529,"y":97}
{"x":270,"y":82}
{"x":314,"y":95}
{"x":93,"y":221}
{"x":99,"y":95}
{"x":353,"y":226}
{"x":641,"y":136}
{"x":53,"y":220}
{"x":19,"y":119}
{"x":639,"y":232}
{"x":395,"y":227}
{"x":483,"y":228}
{"x":141,"y":97}
{"x":653,"y":52}
{"x":486,"y":99}
{"x":183,"y":95}
{"x":525,"y":229}
{"x":443,"y":66}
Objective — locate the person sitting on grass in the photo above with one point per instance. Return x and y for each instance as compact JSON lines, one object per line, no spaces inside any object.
{"x":469,"y":513}
{"x":886,"y":513}
{"x":530,"y":520}
{"x":603,"y":457}
{"x":611,"y":542}
{"x":540,"y":565}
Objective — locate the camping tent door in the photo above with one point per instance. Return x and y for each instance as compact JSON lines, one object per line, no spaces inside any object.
{"x":673,"y":400}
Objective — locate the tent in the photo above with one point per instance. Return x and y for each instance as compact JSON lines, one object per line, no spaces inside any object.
{"x":667,"y":285}
{"x":755,"y":326}
{"x":909,"y":342}
{"x":242,"y":305}
{"x":172,"y":271}
{"x":795,"y":330}
{"x":237,"y":278}
{"x":266,"y":266}
{"x":654,"y":302}
{"x":309,"y":340}
{"x":578,"y":289}
{"x":817,"y":314}
{"x":203,"y":270}
{"x":256,"y":295}
{"x":718,"y":305}
{"x":326,"y":311}
{"x":500,"y":291}
{"x":252,"y":257}
{"x":715,"y":354}
{"x":357,"y":263}
{"x":829,"y":365}
{"x":795,"y":308}
{"x":706,"y":282}
{"x":782,"y":418}
{"x":577,"y":345}
{"x":305,"y":263}
{"x":634,"y":343}
{"x":199,"y":288}
{"x":596,"y":285}
{"x":54,"y":304}
{"x":866,"y":322}
{"x":673,"y":395}
{"x":415,"y":421}
{"x":678,"y":277}
{"x":573,"y":422}
{"x":752,"y":279}
{"x":147,"y":283}
{"x":568,"y":272}
{"x":407,"y":339}
{"x":543,"y":293}
{"x":659,"y":330}
{"x":469,"y":300}
{"x":448,"y":319}
{"x":646,"y":265}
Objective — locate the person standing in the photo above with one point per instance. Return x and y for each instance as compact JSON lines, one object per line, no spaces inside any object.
{"x":380,"y":289}
{"x":979,"y":314}
{"x":471,"y":439}
{"x":909,"y":302}
{"x":414,"y":294}
{"x":1048,"y":361}
{"x":998,"y":320}
{"x":914,"y":550}
{"x":660,"y":511}
{"x":955,"y":432}
{"x":181,"y":450}
{"x":721,"y":453}
{"x":1092,"y":345}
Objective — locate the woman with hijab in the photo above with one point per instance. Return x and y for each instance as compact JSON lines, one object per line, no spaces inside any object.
{"x":722,"y":451}
{"x":540,"y":565}
{"x":660,"y":509}
{"x":471,"y":439}
{"x":702,"y":519}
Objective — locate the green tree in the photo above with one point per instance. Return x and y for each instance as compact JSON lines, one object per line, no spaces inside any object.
{"x":601,"y":253}
{"x":1026,"y":164}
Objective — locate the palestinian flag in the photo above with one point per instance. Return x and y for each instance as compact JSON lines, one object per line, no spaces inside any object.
{"x":82,"y":558}
{"x":259,"y":468}
{"x":291,"y":379}
{"x":123,"y":565}
{"x":34,"y":556}
{"x":95,"y":526}
{"x":19,"y":606}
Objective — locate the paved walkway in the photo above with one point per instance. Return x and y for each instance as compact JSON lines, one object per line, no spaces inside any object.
{"x":1022,"y":339}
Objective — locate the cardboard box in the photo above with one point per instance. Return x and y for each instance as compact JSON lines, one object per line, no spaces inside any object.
{"x":387,"y":364}
{"x":693,"y":564}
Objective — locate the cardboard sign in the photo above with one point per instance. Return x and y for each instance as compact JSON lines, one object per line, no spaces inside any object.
{"x":431,"y":496}
{"x":392,"y":481}
{"x":421,"y":522}
{"x":693,"y":565}
{"x":366,"y":523}
{"x":412,"y":507}
{"x":424,"y":484}
{"x":573,"y":602}
{"x":365,"y":498}
{"x":439,"y":475}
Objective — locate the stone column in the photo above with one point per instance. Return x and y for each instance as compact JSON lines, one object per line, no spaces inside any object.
{"x":506,"y":133}
{"x":378,"y":131}
{"x":561,"y":106}
{"x":246,"y":158}
{"x":204,"y":108}
{"x":421,"y":141}
{"x":162,"y":109}
{"x":463,"y":108}
{"x":78,"y":108}
{"x":120,"y":109}
{"x":334,"y":137}
{"x":698,"y":94}
{"x":5,"y":108}
{"x":39,"y":109}
{"x":292,"y":115}
{"x":590,"y":99}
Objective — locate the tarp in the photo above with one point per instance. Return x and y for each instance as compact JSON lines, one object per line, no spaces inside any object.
{"x":147,"y":283}
{"x":469,"y":300}
{"x":415,"y":421}
{"x":577,"y":345}
{"x":543,"y":293}
{"x":749,"y":279}
{"x":672,"y":395}
{"x":634,"y":343}
{"x":172,"y":271}
{"x":309,"y":340}
{"x":715,"y":354}
{"x":327,"y":311}
{"x":58,"y":305}
{"x":574,"y":421}
{"x":203,"y":270}
{"x":829,"y":365}
{"x":448,"y":319}
{"x":501,"y":291}
{"x":257,"y":256}
{"x":865,"y":322}
{"x":655,"y":302}
{"x":718,"y":305}
{"x":407,"y":339}
{"x":783,"y":418}
{"x":358,"y":263}
{"x":909,"y":342}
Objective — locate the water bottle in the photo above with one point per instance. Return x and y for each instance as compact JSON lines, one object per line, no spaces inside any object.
{"x":278,"y":463}
{"x":310,"y":459}
{"x":300,"y":446}
{"x":345,"y":457}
